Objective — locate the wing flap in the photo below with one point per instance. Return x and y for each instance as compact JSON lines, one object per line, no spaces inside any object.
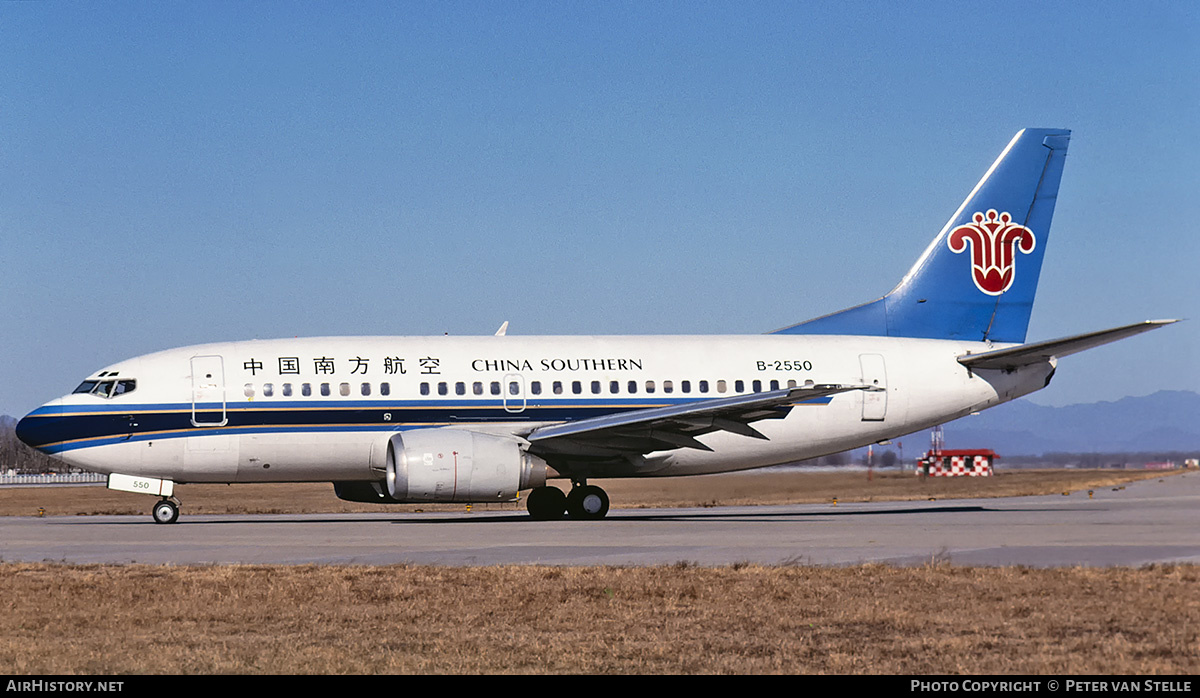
{"x":674,"y":426}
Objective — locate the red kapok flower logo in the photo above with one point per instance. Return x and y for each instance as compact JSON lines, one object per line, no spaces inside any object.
{"x":994,"y":240}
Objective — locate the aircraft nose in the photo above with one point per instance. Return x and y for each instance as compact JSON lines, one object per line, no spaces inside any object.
{"x":23,"y":431}
{"x":32,"y":427}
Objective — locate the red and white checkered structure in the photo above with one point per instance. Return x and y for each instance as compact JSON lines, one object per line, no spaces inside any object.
{"x":957,"y":463}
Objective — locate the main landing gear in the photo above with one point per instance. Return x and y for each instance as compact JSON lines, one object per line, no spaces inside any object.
{"x":585,"y":502}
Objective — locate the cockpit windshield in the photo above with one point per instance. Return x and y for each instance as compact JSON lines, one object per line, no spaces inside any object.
{"x":107,"y":388}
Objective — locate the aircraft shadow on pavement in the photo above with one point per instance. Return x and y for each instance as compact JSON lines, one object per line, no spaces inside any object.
{"x":660,"y":515}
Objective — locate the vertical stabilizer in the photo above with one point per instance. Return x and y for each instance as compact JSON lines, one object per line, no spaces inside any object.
{"x":977,"y":279}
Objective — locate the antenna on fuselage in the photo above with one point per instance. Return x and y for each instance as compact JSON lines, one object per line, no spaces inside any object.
{"x":503,"y":329}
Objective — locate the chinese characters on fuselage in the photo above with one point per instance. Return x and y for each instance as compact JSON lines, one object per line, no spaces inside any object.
{"x":429,"y":365}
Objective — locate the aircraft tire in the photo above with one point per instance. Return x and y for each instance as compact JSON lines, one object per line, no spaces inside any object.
{"x":587,"y":503}
{"x":546,"y":503}
{"x":165,"y":512}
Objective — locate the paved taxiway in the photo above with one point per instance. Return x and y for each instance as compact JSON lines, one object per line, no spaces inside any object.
{"x":1148,"y":521}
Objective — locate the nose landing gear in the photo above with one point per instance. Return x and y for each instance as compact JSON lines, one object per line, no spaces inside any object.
{"x":166,"y":512}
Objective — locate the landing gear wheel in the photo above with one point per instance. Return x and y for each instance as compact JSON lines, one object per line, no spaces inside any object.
{"x":587,"y":502}
{"x":546,"y":503}
{"x":165,"y":512}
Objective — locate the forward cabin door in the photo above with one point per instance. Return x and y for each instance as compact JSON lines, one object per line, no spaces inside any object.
{"x":874,"y":399}
{"x":209,"y":455}
{"x":208,"y":391}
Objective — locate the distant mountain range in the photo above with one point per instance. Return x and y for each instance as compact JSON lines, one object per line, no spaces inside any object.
{"x":1168,"y":420}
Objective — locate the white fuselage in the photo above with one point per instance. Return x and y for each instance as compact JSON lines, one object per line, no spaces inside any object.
{"x":322,"y":409}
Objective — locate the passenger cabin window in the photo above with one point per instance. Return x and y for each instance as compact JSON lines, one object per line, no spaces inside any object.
{"x":268,"y":389}
{"x":306,"y":389}
{"x":287,"y":389}
{"x":344,"y":389}
{"x":325,"y":390}
{"x":366,"y":389}
{"x":385,"y":389}
{"x":248,"y":390}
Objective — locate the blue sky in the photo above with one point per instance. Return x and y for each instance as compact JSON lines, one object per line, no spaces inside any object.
{"x":176,"y":173}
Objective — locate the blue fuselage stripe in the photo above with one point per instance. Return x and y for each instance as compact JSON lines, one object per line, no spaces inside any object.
{"x":67,"y":428}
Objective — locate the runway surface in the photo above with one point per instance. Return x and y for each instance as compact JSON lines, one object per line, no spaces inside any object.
{"x":1147,"y":522}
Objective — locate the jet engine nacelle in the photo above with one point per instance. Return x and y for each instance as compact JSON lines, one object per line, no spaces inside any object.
{"x":455,"y":465}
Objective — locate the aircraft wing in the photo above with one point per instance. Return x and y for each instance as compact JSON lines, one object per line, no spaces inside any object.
{"x":673,"y":426}
{"x":1039,"y":352}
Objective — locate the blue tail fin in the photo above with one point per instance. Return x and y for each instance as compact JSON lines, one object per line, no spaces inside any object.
{"x":976,"y":281}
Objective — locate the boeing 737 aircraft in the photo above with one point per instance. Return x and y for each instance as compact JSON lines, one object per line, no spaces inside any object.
{"x":481,"y":419}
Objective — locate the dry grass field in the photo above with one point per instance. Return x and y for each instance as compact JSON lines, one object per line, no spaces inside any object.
{"x":665,"y":620}
{"x":680,"y":619}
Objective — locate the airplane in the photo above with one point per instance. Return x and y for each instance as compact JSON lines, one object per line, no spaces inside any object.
{"x":483,"y":419}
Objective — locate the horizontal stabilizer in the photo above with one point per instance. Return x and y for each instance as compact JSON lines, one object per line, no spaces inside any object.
{"x":1040,"y":352}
